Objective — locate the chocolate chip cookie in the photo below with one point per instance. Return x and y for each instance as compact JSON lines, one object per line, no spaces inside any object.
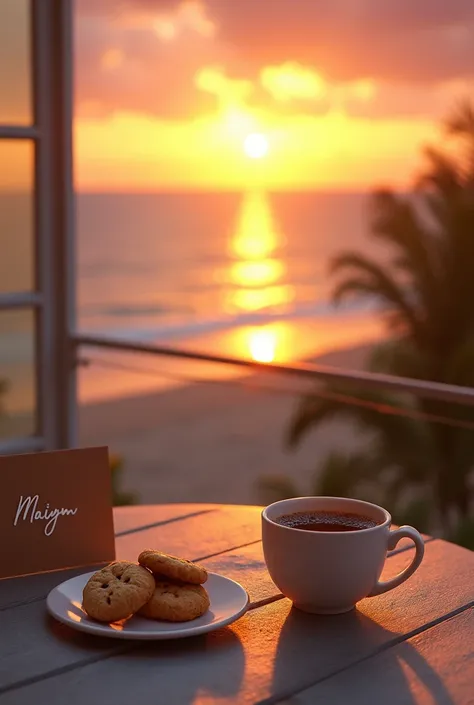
{"x":117,"y":591}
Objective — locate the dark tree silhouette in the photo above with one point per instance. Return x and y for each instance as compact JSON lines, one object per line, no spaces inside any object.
{"x":426,"y":296}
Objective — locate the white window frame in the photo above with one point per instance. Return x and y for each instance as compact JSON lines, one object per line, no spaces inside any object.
{"x":53,"y":295}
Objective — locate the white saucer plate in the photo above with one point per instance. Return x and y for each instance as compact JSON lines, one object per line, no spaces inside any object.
{"x":229,"y":601}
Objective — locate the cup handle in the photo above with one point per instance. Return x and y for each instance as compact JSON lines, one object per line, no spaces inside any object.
{"x":394,"y":538}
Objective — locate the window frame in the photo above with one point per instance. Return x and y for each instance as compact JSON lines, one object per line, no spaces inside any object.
{"x":53,"y":295}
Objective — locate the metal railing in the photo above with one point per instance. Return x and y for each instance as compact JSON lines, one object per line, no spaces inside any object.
{"x":305,"y":373}
{"x":324,"y":373}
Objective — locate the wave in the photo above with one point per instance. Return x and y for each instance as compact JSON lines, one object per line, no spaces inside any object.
{"x":112,"y":267}
{"x":191,"y":329}
{"x":132,"y":310}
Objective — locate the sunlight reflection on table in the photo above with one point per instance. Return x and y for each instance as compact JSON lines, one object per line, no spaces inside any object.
{"x":78,"y":614}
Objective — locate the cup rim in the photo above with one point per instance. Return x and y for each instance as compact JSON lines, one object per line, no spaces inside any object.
{"x":386,"y":522}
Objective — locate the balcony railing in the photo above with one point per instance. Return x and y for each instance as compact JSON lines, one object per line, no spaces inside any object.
{"x":297,"y":379}
{"x":312,"y":373}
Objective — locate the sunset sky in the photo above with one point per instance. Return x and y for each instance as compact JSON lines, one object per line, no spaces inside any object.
{"x":342,"y":92}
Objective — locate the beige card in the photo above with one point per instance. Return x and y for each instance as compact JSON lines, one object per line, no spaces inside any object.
{"x":55,"y":511}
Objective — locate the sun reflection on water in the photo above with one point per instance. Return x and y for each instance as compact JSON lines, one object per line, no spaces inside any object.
{"x":256,"y":236}
{"x":262,"y":344}
{"x":258,"y":274}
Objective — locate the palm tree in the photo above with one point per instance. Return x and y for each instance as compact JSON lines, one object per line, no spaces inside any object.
{"x":426,"y":297}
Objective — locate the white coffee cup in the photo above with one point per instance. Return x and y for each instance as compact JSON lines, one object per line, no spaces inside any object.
{"x":328,"y":572}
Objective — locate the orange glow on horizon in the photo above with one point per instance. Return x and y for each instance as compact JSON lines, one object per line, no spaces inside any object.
{"x":166,"y":100}
{"x":131,"y":152}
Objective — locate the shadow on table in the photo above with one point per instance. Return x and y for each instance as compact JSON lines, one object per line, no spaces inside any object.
{"x":159,"y":668}
{"x":312,"y":647}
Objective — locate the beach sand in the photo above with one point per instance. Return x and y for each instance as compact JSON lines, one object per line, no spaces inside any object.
{"x":212,"y":441}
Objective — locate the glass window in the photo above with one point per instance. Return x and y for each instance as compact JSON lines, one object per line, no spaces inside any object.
{"x":16,"y":215}
{"x":17,"y":374}
{"x":15,"y":84}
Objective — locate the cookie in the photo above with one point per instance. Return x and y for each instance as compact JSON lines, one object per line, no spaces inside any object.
{"x":171,"y":567}
{"x":173,"y":602}
{"x":117,"y":591}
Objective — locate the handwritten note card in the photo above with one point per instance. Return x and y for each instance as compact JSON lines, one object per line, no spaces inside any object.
{"x":55,"y":511}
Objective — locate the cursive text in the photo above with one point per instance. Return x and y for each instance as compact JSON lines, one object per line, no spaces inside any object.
{"x":28,"y":506}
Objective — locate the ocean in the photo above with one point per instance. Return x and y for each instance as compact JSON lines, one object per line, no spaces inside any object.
{"x":243,"y":273}
{"x":173,"y":266}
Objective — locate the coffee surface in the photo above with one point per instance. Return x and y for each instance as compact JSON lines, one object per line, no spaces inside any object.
{"x":327,"y":521}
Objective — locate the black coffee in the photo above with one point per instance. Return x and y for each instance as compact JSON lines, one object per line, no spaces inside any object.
{"x":327,"y":521}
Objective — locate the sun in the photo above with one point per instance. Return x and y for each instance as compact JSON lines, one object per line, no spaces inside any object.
{"x":256,"y":145}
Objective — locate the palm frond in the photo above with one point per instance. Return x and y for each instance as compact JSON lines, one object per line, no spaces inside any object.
{"x":312,"y":411}
{"x":398,"y":438}
{"x":353,"y":286}
{"x":370,"y":279}
{"x":417,"y":512}
{"x":395,"y":220}
{"x":370,"y":409}
{"x":339,"y":474}
{"x":441,"y":175}
{"x":399,"y":357}
{"x":273,"y":488}
{"x":460,"y":365}
{"x":460,"y":123}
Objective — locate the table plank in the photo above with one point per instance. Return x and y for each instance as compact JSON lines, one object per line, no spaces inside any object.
{"x":142,"y":516}
{"x":20,"y":591}
{"x":198,"y":536}
{"x":436,"y":666}
{"x":270,"y":652}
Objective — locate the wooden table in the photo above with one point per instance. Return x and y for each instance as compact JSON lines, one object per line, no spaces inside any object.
{"x":414,"y":644}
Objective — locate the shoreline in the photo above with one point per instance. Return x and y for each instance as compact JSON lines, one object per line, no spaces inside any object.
{"x":213,"y":441}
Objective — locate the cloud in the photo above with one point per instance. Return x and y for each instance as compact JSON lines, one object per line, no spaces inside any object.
{"x":292,"y":80}
{"x":346,"y":39}
{"x":229,"y":92}
{"x":133,"y":61}
{"x":373,"y":56}
{"x":188,"y":16}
